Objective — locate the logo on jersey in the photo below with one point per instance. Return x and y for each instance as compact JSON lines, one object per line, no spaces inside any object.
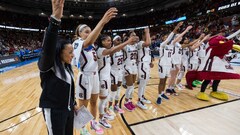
{"x":81,"y":95}
{"x":103,"y":86}
{"x":76,"y":45}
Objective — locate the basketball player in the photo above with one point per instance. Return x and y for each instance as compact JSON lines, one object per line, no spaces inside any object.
{"x":144,"y":59}
{"x":116,"y":76}
{"x":165,"y":51}
{"x":184,"y":61}
{"x":176,"y":61}
{"x":130,"y":69}
{"x":193,"y":53}
{"x":87,"y":87}
{"x":104,"y":62}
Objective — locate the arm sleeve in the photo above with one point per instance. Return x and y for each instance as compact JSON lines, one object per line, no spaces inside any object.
{"x":169,"y":39}
{"x":47,"y":57}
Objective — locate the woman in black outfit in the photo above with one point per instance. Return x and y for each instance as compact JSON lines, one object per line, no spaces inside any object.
{"x":57,"y":98}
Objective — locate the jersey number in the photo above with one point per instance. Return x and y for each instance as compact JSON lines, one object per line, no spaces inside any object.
{"x":169,"y":54}
{"x":133,"y":56}
{"x":120,"y":61}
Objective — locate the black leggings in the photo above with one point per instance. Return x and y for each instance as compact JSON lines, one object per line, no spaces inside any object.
{"x":206,"y":82}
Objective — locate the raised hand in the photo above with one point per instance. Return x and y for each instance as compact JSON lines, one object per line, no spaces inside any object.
{"x":57,"y":8}
{"x":189,"y":28}
{"x":132,"y":40}
{"x":177,"y":27}
{"x":111,"y":13}
{"x":179,"y":24}
{"x":146,"y":30}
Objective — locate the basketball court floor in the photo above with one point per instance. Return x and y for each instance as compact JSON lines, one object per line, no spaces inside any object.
{"x":181,"y":115}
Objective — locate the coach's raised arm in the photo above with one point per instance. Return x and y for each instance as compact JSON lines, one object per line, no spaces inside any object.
{"x":50,"y":38}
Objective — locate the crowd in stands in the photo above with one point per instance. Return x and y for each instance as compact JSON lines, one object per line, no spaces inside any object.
{"x":19,"y":42}
{"x":195,"y":11}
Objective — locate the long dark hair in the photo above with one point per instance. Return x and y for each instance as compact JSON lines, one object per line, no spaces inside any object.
{"x":101,"y":38}
{"x":61,"y":44}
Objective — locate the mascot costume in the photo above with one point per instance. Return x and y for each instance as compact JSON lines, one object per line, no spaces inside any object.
{"x":215,"y":66}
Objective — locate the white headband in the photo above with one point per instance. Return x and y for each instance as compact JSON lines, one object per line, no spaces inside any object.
{"x":81,"y":28}
{"x":117,"y":36}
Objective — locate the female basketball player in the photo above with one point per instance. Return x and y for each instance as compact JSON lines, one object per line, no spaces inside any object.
{"x":130,"y":67}
{"x":144,"y":59}
{"x":184,"y":61}
{"x":116,"y":76}
{"x":104,"y":67}
{"x":176,"y":61}
{"x":193,"y":53}
{"x":87,"y":87}
{"x":164,"y":64}
{"x":57,"y":98}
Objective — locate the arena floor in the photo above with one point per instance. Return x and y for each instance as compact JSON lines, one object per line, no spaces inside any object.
{"x":181,"y":115}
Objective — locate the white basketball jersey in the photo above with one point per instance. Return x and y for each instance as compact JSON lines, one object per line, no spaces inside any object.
{"x":185,"y":54}
{"x":131,"y":54}
{"x":144,"y":53}
{"x":117,"y":60}
{"x":177,"y":53}
{"x":86,"y":57}
{"x":104,"y":64}
{"x":166,"y":54}
{"x":88,"y":60}
{"x":193,"y":56}
{"x":202,"y":51}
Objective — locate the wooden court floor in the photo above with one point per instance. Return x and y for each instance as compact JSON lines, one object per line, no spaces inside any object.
{"x":20,"y":115}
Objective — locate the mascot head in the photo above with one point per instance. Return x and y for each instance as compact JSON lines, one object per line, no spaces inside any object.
{"x":218,"y":40}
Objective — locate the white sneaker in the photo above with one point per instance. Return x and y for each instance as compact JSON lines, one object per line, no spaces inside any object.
{"x":108,"y":116}
{"x":146,"y":101}
{"x":141,"y":105}
{"x":179,"y":86}
{"x":111,"y":111}
{"x":104,"y":123}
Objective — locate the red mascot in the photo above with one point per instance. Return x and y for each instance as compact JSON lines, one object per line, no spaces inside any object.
{"x":214,"y":67}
